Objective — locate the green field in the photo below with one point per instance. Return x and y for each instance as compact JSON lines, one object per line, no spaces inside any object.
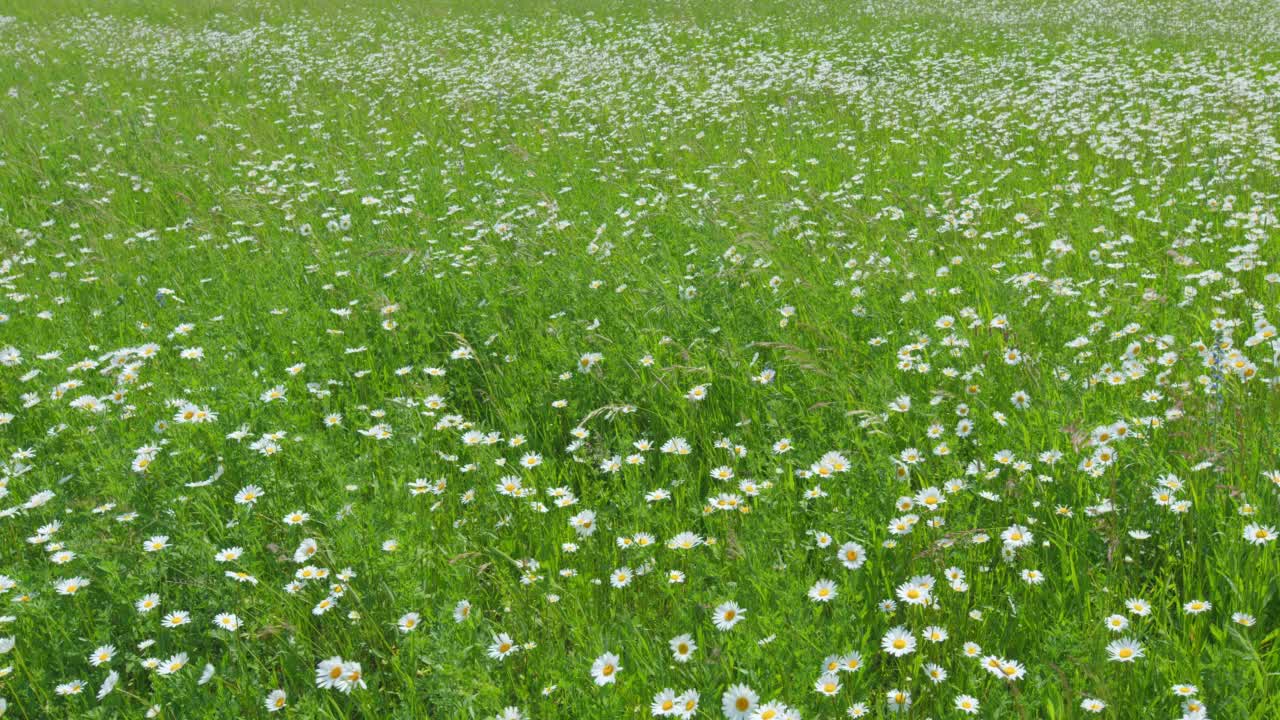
{"x":625,"y":359}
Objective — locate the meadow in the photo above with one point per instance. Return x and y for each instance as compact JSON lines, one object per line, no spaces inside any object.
{"x":600,"y":359}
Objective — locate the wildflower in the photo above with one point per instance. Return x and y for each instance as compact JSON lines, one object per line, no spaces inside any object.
{"x":71,"y":586}
{"x":682,"y":648}
{"x":664,"y":703}
{"x":1195,"y":607}
{"x":248,"y":495}
{"x":75,"y":687}
{"x":329,"y":672}
{"x":828,"y":685}
{"x":102,"y":655}
{"x":898,"y":642}
{"x":605,"y":669}
{"x":823,"y":591}
{"x":738,"y":702}
{"x":408,"y":622}
{"x":227,"y":621}
{"x":1092,"y":705}
{"x":276,"y":701}
{"x":502,"y":646}
{"x":1116,"y":623}
{"x":1125,"y":650}
{"x":1138,"y":607}
{"x":727,"y":615}
{"x":1259,"y":534}
{"x":899,"y":700}
{"x":108,"y":685}
{"x":852,"y":555}
{"x":175,"y":619}
{"x":174,"y":664}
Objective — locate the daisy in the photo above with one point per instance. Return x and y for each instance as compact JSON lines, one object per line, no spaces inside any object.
{"x":621,"y":577}
{"x":913,"y":594}
{"x":823,"y":591}
{"x":992,"y":664}
{"x":329,"y":673}
{"x":687,"y":704}
{"x":175,"y":619}
{"x":75,"y":687}
{"x":102,"y":655}
{"x":1138,"y":607}
{"x":738,"y":702}
{"x":502,"y":646}
{"x":1124,"y":650}
{"x":851,"y":662}
{"x":584,"y":523}
{"x":682,"y":648}
{"x":1195,"y":607}
{"x":1012,"y":670}
{"x":352,"y":677}
{"x":852,"y":555}
{"x":1259,"y":534}
{"x":664,"y":703}
{"x":227,"y":621}
{"x":1194,"y":710}
{"x":605,"y":669}
{"x":71,"y":586}
{"x":108,"y":684}
{"x":461,"y":611}
{"x":1092,"y":705}
{"x":1116,"y":623}
{"x":276,"y":701}
{"x":408,"y":622}
{"x":248,"y":495}
{"x":898,"y":642}
{"x":828,"y":685}
{"x":727,"y":615}
{"x":297,"y":517}
{"x":324,"y":605}
{"x":173,"y":664}
{"x":228,"y":554}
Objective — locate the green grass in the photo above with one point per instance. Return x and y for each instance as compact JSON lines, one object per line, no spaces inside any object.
{"x":697,"y":191}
